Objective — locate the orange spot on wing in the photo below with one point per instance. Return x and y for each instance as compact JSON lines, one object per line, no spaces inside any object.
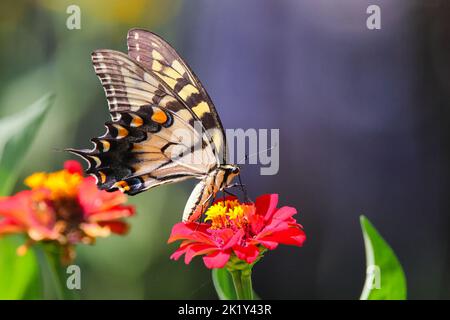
{"x":122,"y":185}
{"x":102,"y":177}
{"x":137,"y":121}
{"x":159,"y":117}
{"x":106,"y":145}
{"x":121,"y":132}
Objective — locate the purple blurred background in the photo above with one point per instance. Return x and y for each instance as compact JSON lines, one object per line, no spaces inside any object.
{"x":363,"y":118}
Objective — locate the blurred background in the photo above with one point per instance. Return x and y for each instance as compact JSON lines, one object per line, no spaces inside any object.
{"x":363,"y":117}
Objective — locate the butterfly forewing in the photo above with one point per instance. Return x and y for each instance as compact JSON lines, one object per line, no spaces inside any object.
{"x":158,"y":57}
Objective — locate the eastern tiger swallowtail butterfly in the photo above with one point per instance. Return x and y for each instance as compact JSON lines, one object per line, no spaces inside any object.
{"x":154,"y":98}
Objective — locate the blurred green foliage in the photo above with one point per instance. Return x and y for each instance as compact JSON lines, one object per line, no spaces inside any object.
{"x":20,"y":275}
{"x":17,"y":133}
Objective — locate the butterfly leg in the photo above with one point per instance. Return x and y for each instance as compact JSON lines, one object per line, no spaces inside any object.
{"x":243,"y":188}
{"x":228,"y":193}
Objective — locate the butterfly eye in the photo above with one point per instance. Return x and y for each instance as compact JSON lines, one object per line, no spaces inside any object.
{"x":235,"y":170}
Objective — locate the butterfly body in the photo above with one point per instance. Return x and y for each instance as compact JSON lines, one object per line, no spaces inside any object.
{"x":164,"y":126}
{"x":217,"y":180}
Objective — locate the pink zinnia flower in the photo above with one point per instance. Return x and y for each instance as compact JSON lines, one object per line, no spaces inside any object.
{"x":64,"y":207}
{"x":231,"y":228}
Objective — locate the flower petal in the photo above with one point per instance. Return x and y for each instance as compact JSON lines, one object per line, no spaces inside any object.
{"x":20,"y":210}
{"x":94,"y":201}
{"x":197,"y":250}
{"x":236,"y":238}
{"x":291,"y":236}
{"x":8,"y":225}
{"x":266,"y":205}
{"x":190,"y":231}
{"x":179,"y":252}
{"x":113,"y":213}
{"x":284,"y":213}
{"x":216,"y":260}
{"x":73,"y":167}
{"x":118,"y":227}
{"x":17,"y":206}
{"x":280,"y":220}
{"x":271,"y":245}
{"x":95,"y":230}
{"x":247,"y":253}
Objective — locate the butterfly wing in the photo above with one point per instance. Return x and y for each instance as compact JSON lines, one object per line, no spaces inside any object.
{"x":203,"y":194}
{"x":197,"y":202}
{"x":150,"y":140}
{"x":157,"y":56}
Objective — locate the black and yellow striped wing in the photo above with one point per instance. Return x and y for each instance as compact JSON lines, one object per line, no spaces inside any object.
{"x":157,"y":56}
{"x":151,"y":139}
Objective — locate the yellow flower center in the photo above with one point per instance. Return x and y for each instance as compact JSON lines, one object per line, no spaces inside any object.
{"x":61,"y":183}
{"x":225,"y":214}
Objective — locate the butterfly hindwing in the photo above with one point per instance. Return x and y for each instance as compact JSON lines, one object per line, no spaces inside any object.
{"x":202,"y":195}
{"x":135,"y":158}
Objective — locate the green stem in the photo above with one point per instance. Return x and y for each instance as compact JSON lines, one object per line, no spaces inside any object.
{"x":246,"y":279}
{"x":56,"y":275}
{"x":53,"y":272}
{"x":235,"y":275}
{"x":242,"y":280}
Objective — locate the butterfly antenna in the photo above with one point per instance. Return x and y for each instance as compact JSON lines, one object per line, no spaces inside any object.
{"x":257,"y":153}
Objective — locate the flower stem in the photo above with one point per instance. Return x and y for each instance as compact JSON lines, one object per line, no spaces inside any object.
{"x":236,"y":276}
{"x":242,"y":280}
{"x":53,"y":272}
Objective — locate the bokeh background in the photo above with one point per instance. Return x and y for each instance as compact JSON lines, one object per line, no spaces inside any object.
{"x":363,"y":118}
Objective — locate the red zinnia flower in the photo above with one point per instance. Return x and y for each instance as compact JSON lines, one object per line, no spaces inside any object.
{"x":231,"y":228}
{"x":63,"y":207}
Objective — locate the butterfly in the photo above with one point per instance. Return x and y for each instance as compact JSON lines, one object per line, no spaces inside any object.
{"x":164,"y":127}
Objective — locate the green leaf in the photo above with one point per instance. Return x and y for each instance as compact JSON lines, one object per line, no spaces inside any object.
{"x":16,"y":135}
{"x":19,"y":275}
{"x":223,"y":283}
{"x":385,"y":279}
